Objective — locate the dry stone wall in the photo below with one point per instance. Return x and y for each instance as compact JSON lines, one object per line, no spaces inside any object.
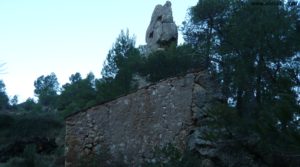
{"x":131,"y":127}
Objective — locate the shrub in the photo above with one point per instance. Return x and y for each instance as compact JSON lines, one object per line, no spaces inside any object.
{"x":171,"y":62}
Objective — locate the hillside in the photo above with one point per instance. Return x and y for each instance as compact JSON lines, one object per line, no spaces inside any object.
{"x":228,"y":96}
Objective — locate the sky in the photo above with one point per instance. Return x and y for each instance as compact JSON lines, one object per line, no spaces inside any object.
{"x":38,"y":37}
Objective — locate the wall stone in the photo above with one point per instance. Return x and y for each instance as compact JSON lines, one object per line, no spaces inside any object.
{"x":130,"y":127}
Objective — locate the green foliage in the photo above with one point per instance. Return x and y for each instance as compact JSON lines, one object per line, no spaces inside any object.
{"x":260,"y":138}
{"x":124,"y":61}
{"x":253,"y":64}
{"x":119,"y":51}
{"x":29,"y":106}
{"x":46,"y":89}
{"x":4,"y":101}
{"x":121,"y":63}
{"x":30,"y":158}
{"x":248,"y":53}
{"x":105,"y":89}
{"x":29,"y":155}
{"x":30,"y":125}
{"x":202,"y":28}
{"x":254,"y":50}
{"x":172,"y":62}
{"x":78,"y":94}
{"x":22,"y":133}
{"x":5,"y":121}
{"x":14,"y":102}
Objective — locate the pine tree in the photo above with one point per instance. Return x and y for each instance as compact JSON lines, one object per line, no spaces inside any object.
{"x":254,"y":50}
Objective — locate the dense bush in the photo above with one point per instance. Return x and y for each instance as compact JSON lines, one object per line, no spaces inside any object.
{"x":29,"y":136}
{"x":171,"y":62}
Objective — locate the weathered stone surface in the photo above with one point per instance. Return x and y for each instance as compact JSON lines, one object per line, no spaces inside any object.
{"x":175,"y":110}
{"x":162,"y":31}
{"x":135,"y":124}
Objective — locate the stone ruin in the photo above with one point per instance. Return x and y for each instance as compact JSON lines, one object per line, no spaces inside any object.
{"x":162,"y":31}
{"x":173,"y":111}
{"x":129,"y":128}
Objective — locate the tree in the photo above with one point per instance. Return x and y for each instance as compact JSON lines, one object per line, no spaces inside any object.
{"x":248,"y":66}
{"x":78,"y":94}
{"x":30,"y":105}
{"x":254,"y":50}
{"x":119,"y":51}
{"x":120,"y":64}
{"x":202,"y":29}
{"x":75,"y":78}
{"x":253,"y":67}
{"x":4,"y":101}
{"x":46,"y":89}
{"x":14,"y":100}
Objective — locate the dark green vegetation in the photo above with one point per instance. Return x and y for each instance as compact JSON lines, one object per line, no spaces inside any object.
{"x":251,"y":47}
{"x":31,"y":139}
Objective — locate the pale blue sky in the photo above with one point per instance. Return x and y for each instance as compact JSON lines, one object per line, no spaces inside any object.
{"x":38,"y":37}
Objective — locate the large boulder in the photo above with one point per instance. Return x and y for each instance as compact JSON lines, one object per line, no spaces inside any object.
{"x":162,"y":31}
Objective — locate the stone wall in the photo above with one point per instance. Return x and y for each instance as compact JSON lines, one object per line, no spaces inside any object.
{"x":130,"y":127}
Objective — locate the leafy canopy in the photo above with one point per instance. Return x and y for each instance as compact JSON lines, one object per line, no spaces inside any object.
{"x":253,"y":48}
{"x":46,"y":89}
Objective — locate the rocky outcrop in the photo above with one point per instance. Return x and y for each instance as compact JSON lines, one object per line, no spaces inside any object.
{"x":131,"y":127}
{"x":162,"y":31}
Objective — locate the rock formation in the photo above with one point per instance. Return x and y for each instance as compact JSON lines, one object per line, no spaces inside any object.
{"x":162,"y":31}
